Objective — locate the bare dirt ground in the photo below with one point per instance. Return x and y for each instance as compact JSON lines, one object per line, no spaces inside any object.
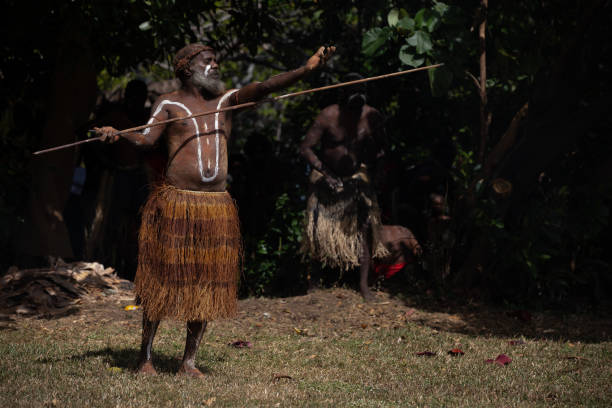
{"x":341,"y":310}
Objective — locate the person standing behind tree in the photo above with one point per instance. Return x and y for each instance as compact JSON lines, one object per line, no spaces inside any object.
{"x":342,"y":216}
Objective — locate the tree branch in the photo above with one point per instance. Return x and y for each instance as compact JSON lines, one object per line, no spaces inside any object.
{"x":506,"y":141}
{"x":476,"y":82}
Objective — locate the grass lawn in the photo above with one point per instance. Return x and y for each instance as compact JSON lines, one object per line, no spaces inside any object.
{"x":327,"y":349}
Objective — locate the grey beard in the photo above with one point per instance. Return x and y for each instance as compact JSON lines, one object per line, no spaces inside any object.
{"x":210,"y":85}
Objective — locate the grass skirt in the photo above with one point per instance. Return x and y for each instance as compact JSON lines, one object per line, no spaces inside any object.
{"x":334,"y":220}
{"x":189,"y":255}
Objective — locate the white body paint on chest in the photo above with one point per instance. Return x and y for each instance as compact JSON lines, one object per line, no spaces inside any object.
{"x":197,"y":132}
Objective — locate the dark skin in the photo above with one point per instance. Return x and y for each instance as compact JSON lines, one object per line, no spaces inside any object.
{"x":349,"y":134}
{"x":401,"y":243}
{"x":192,"y":157}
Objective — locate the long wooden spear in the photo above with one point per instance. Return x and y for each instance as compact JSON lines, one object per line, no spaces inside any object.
{"x":242,"y":105}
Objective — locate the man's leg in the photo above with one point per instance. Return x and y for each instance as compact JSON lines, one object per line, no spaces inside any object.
{"x":195,"y":331}
{"x":364,"y":266}
{"x":149,"y":328}
{"x":314,"y":275}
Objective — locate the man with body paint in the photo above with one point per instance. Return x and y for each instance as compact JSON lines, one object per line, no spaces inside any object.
{"x":189,"y":241}
{"x":342,"y":216}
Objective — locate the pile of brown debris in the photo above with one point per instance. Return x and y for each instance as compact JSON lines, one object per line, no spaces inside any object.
{"x":55,"y":291}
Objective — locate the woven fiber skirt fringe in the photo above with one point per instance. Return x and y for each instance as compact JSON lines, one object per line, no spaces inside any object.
{"x":189,"y":255}
{"x":333,"y":222}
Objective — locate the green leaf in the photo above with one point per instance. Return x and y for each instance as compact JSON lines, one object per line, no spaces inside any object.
{"x":497,"y":223}
{"x":419,"y":17}
{"x":440,"y":8}
{"x":406,"y":23}
{"x":393,"y":17}
{"x":145,"y":26}
{"x":374,"y":39}
{"x":431,"y":23}
{"x":420,"y":40}
{"x":408,"y":58}
{"x":425,"y":18}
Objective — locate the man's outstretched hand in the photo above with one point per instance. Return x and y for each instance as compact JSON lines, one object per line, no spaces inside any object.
{"x":107,"y":133}
{"x":320,"y":57}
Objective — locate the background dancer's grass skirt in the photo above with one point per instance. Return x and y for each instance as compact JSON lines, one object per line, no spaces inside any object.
{"x":333,"y":224}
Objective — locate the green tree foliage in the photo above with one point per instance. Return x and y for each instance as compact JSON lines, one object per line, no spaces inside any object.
{"x":531,"y":244}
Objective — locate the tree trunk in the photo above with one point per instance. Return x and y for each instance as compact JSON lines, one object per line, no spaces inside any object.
{"x":485,"y":116}
{"x":72,"y":95}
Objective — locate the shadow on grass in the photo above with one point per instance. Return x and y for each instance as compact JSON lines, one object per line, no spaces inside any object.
{"x":474,"y":314}
{"x":127,"y":359}
{"x":477,"y":312}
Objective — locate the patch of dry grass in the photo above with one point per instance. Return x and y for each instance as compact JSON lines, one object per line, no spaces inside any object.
{"x":75,"y":365}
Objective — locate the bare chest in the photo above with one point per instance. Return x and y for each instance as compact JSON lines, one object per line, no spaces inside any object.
{"x":197,"y":146}
{"x":350,"y":133}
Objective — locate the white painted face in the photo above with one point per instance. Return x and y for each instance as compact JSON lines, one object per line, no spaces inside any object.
{"x":206,"y":69}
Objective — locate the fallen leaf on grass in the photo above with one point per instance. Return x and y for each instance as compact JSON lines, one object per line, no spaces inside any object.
{"x":456,"y":352}
{"x":280,"y":377}
{"x":301,"y":332}
{"x":363,"y":325}
{"x":410,"y":312}
{"x":240,"y":344}
{"x":426,"y":353}
{"x":210,"y":401}
{"x":516,"y":342}
{"x":131,"y":307}
{"x":502,"y":360}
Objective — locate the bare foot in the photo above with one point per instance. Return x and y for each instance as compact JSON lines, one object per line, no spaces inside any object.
{"x":146,"y":368}
{"x":190,"y":372}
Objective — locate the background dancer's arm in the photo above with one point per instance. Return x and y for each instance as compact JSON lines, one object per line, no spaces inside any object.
{"x":146,"y":138}
{"x":312,"y":139}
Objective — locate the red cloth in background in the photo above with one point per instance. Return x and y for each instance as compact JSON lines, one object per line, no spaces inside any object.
{"x":388,"y":270}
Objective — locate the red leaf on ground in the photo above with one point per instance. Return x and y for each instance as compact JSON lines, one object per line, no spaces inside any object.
{"x":240,"y":344}
{"x":426,"y":353}
{"x":456,"y":352}
{"x":502,"y":360}
{"x":516,"y":342}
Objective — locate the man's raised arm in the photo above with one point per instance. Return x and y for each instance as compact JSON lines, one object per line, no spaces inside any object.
{"x":259,"y":90}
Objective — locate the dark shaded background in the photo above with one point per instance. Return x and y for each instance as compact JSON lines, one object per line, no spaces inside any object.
{"x":64,"y":66}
